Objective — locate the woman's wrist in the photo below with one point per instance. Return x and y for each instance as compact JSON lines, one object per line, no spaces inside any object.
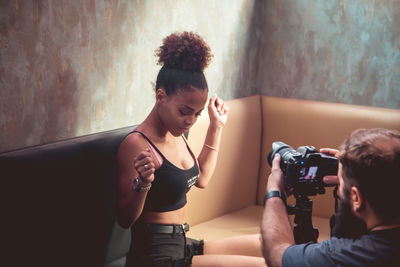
{"x":211,"y":147}
{"x":143,"y":182}
{"x":140,"y":185}
{"x":215,"y":127}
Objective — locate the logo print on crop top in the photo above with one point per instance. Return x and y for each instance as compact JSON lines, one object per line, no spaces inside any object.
{"x":192,"y":181}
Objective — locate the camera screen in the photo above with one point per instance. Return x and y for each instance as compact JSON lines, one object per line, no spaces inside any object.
{"x":308,"y":174}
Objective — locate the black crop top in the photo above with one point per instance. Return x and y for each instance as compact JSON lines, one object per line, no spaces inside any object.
{"x":170,"y":185}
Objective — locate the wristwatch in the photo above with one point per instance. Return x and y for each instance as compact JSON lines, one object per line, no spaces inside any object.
{"x":275,"y":193}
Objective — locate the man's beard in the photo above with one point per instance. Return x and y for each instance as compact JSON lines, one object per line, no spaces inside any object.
{"x":345,"y":224}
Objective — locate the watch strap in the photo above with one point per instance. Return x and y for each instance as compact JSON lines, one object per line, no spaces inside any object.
{"x":275,"y":193}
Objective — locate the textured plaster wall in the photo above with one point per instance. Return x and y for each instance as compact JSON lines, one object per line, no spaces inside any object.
{"x":69,"y":68}
{"x":345,"y":51}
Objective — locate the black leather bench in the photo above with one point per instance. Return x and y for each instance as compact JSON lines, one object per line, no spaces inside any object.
{"x":59,"y":203}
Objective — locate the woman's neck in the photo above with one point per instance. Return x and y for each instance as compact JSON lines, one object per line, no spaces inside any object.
{"x":154,"y":127}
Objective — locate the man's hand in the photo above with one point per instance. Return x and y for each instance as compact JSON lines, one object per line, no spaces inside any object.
{"x":332,"y":179}
{"x":276,"y":180}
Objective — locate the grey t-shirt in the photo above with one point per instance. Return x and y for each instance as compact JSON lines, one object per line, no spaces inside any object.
{"x":378,"y":248}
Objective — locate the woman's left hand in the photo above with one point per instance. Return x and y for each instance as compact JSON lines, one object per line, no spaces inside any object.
{"x":218,"y":111}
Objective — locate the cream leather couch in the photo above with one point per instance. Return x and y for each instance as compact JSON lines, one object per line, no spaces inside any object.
{"x":232,"y":203}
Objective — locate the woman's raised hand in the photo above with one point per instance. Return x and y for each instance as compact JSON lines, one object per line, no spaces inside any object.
{"x":218,"y":111}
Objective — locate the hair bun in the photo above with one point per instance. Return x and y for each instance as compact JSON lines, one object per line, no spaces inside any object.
{"x":184,"y":51}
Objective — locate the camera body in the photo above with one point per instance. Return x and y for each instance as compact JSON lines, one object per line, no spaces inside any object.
{"x":304,"y":168}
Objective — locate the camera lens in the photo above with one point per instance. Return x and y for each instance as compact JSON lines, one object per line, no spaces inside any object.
{"x":282,"y":149}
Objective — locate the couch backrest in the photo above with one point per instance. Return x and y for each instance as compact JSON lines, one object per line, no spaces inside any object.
{"x":59,"y":202}
{"x":320,"y":124}
{"x":234,"y":183}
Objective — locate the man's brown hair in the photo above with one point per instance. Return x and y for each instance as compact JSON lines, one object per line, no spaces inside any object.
{"x":370,"y":160}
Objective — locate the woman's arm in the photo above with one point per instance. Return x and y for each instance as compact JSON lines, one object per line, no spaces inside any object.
{"x":218,"y":113}
{"x":132,"y":157}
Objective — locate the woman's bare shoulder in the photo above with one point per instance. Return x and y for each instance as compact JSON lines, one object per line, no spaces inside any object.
{"x":133,"y":138}
{"x":133,"y":144}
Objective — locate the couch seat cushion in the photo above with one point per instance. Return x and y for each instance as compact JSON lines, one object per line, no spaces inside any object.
{"x":243,"y":222}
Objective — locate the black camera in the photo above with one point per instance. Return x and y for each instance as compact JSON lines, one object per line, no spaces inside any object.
{"x":304,"y":168}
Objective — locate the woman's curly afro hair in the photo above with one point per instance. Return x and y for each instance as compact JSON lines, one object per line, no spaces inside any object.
{"x":184,"y":51}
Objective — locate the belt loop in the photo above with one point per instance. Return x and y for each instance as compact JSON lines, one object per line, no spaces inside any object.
{"x":185,"y":227}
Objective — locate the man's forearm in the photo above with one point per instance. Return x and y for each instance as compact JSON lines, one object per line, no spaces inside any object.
{"x":276,"y":231}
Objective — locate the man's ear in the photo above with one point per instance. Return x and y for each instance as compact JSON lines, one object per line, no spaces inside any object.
{"x":357,"y":199}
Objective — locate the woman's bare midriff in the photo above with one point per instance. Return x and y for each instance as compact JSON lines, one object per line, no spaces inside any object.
{"x":168,"y":217}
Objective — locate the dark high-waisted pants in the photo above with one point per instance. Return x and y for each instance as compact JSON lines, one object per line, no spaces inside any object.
{"x":160,"y":249}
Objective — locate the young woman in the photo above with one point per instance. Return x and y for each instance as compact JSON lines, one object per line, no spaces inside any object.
{"x":157,"y":167}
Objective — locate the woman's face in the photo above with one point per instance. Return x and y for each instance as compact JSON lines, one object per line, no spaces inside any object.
{"x":179,"y":111}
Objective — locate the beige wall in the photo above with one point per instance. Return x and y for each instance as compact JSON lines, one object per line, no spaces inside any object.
{"x":69,"y":68}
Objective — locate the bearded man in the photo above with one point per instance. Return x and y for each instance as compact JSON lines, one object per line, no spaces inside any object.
{"x":366,"y":229}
